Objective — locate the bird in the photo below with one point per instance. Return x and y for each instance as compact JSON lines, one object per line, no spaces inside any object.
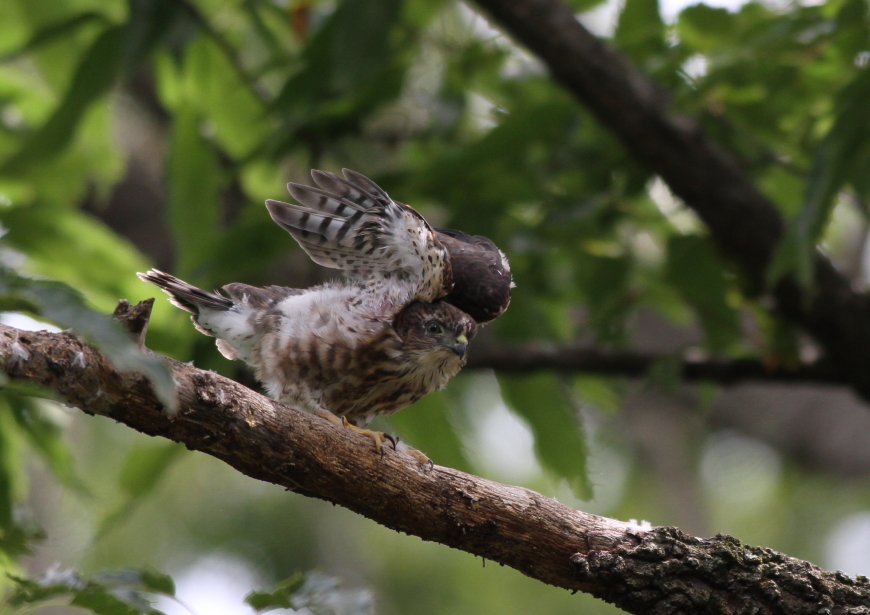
{"x":349,"y":223}
{"x":375,"y":342}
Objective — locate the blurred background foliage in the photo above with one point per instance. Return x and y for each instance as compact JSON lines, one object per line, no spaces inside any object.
{"x":147,"y":133}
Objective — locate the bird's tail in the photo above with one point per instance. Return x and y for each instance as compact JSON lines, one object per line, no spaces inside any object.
{"x":186,"y":296}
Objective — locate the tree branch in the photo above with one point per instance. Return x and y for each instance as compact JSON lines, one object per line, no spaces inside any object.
{"x":658,"y":570}
{"x":532,"y":357}
{"x":744,"y":223}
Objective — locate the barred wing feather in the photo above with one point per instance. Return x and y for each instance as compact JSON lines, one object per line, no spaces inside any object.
{"x":350,"y":223}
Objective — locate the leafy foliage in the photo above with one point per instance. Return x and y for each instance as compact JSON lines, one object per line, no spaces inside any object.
{"x":314,"y":592}
{"x":118,"y":593}
{"x":61,"y":304}
{"x":144,"y":132}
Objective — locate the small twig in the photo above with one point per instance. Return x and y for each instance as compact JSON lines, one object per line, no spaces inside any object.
{"x":135,"y":318}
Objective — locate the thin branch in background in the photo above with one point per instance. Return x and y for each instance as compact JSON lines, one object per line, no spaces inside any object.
{"x":526,"y":358}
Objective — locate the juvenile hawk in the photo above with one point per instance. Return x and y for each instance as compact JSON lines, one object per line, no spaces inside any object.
{"x":369,"y":345}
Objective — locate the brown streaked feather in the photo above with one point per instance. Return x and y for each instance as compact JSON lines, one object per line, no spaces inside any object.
{"x":258,"y":297}
{"x":351,"y":224}
{"x":183,"y":295}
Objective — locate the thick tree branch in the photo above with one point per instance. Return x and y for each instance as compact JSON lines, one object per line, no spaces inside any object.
{"x":532,"y":357}
{"x":744,"y":223}
{"x":658,"y":570}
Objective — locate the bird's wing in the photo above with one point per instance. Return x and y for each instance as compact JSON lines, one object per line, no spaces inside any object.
{"x":481,"y":275}
{"x":350,"y":223}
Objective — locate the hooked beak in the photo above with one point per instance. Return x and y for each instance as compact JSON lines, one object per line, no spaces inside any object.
{"x":460,"y":346}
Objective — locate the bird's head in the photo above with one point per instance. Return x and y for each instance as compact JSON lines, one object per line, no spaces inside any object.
{"x":437,"y":329}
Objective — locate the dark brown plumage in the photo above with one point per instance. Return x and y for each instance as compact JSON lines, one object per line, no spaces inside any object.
{"x":482,"y":279}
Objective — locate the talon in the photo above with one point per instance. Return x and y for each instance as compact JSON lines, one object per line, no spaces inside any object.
{"x":394,"y":440}
{"x":421,"y":457}
{"x":376,"y":436}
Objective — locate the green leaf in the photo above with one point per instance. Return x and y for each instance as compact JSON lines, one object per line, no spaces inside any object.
{"x":54,"y":31}
{"x":349,"y":52}
{"x":841,"y":158}
{"x":704,"y":28}
{"x":45,"y":587}
{"x":93,"y":78}
{"x":144,"y":466}
{"x":46,"y":438}
{"x":113,"y":593}
{"x":194,"y":181}
{"x":640,"y":31}
{"x":148,"y":23}
{"x":559,"y":437}
{"x":144,"y":579}
{"x":693,"y":267}
{"x":312,"y":592}
{"x":667,"y":373}
{"x":212,"y":87}
{"x":603,"y":280}
{"x":426,"y":425}
{"x":350,"y":68}
{"x":101,"y":601}
{"x":141,"y":472}
{"x":279,"y":597}
{"x":156,"y":582}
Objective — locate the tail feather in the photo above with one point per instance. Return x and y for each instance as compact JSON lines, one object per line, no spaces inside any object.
{"x":185,"y":296}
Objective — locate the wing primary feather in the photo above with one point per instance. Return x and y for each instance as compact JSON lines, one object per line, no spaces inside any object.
{"x":321,"y":200}
{"x":350,"y":223}
{"x":365,"y":184}
{"x":338,"y":185}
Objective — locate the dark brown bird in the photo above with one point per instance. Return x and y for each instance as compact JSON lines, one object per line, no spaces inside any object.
{"x":366,"y":346}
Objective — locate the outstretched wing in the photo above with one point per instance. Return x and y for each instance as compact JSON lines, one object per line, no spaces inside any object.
{"x":482,"y":280}
{"x":350,"y":223}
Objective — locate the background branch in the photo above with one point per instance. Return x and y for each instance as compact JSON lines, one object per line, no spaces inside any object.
{"x":744,"y":223}
{"x":524,"y":358}
{"x":642,"y":571}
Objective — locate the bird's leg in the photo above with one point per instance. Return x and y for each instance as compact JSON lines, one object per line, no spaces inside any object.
{"x":376,"y":436}
{"x":329,"y":416}
{"x":413,"y":452}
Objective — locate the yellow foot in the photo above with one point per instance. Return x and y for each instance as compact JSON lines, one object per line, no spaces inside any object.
{"x":413,"y":452}
{"x":376,"y":436}
{"x":421,"y":457}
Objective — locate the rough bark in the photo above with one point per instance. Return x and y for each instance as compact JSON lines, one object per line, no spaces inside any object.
{"x":657,"y":570}
{"x":744,"y":223}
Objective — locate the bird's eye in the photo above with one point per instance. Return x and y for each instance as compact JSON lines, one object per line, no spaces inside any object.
{"x":433,"y":328}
